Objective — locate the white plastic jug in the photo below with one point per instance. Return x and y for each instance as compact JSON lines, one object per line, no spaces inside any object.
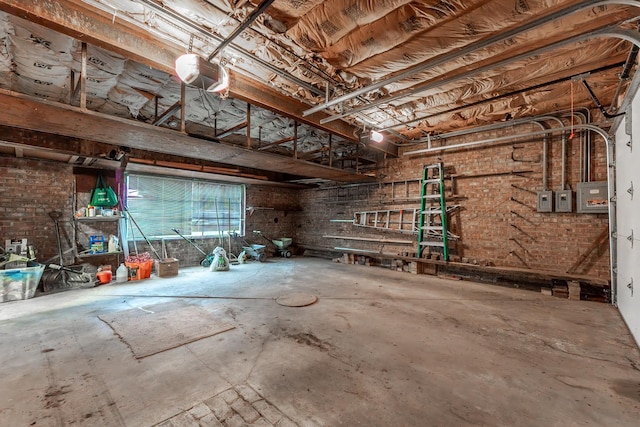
{"x":113,"y":244}
{"x":122,"y":274}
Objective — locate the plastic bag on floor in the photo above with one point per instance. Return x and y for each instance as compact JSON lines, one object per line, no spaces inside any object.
{"x":220,"y":260}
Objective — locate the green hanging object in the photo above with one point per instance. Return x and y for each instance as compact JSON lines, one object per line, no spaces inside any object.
{"x":103,"y":195}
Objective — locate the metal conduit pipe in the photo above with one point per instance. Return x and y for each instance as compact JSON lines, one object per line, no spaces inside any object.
{"x":624,"y":75}
{"x":546,"y":152}
{"x":479,"y":129}
{"x":610,"y":178}
{"x":487,"y":100}
{"x":470,"y":49}
{"x":498,"y":139}
{"x":430,"y":138}
{"x":613,"y":32}
{"x":243,"y":26}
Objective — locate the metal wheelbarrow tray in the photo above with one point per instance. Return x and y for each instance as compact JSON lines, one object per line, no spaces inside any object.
{"x":256,"y":252}
{"x":282,"y":244}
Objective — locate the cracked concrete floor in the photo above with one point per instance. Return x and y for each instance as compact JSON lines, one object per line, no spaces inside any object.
{"x":379,"y":348}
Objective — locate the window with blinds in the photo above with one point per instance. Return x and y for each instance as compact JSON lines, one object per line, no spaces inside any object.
{"x":196,"y":208}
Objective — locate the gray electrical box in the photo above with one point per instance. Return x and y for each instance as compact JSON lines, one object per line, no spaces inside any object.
{"x":545,"y":201}
{"x":592,"y":197}
{"x":564,"y":201}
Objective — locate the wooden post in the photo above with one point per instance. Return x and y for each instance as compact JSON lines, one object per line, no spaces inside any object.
{"x":330,"y":150}
{"x":248,"y":125}
{"x":295,"y":139}
{"x":183,"y":107}
{"x":83,"y":78}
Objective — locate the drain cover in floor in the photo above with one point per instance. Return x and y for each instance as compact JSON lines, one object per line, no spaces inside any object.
{"x":296,"y":299}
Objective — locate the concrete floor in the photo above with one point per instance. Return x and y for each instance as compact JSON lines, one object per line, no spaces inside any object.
{"x":379,"y":348}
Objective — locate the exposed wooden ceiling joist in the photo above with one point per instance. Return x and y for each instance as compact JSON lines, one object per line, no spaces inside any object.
{"x":29,"y":140}
{"x":80,"y":21}
{"x":43,"y":116}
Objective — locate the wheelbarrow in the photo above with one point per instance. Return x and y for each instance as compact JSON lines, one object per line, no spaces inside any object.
{"x":281,"y":244}
{"x":208,"y":258}
{"x":255,"y":252}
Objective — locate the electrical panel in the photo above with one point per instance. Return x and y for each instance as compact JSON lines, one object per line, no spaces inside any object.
{"x":592,"y":197}
{"x":564,"y":201}
{"x":545,"y":201}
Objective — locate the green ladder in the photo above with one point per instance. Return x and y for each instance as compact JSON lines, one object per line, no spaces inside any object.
{"x":432,"y":229}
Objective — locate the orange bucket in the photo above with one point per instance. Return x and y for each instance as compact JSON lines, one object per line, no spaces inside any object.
{"x":139,"y":270}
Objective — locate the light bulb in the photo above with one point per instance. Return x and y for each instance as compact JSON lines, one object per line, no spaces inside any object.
{"x":376,"y":136}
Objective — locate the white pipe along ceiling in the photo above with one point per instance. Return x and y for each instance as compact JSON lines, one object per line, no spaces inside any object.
{"x":309,"y":80}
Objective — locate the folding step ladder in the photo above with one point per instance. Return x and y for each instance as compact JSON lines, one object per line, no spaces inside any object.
{"x":432,"y":230}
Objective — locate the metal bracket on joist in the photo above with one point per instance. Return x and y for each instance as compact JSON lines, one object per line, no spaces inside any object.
{"x":630,"y":285}
{"x":630,"y":238}
{"x":630,"y":190}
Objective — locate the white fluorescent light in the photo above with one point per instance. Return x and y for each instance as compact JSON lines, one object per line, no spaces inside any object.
{"x":376,"y":136}
{"x":195,"y":71}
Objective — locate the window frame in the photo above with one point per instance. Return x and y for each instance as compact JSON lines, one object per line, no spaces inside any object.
{"x":195,"y":187}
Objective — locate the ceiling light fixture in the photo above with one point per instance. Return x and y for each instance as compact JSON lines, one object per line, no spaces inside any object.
{"x":196,"y":71}
{"x":376,"y":136}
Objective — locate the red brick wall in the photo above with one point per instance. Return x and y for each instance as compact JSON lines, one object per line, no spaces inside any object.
{"x":486,"y":222}
{"x":29,"y":190}
{"x":493,"y":227}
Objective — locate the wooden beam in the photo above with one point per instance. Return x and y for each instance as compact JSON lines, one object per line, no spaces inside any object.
{"x":281,"y":141}
{"x":108,"y":31}
{"x":231,"y":130}
{"x":312,"y":153}
{"x":168,"y":112}
{"x":602,"y":238}
{"x":22,"y":139}
{"x":70,"y":121}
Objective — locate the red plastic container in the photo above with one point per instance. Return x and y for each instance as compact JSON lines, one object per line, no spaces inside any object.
{"x":104,"y":276}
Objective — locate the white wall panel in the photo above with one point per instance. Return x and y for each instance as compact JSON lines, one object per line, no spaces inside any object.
{"x":628,"y":218}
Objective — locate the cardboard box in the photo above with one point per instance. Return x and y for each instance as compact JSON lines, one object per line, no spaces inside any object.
{"x":167,"y":267}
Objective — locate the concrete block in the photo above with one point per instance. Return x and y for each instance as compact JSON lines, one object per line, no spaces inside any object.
{"x":261,"y":423}
{"x":210,"y":421}
{"x":219,"y":407}
{"x":268,"y":411}
{"x":184,"y":420}
{"x":245,"y":410}
{"x":286,"y":422}
{"x":247,"y":393}
{"x":229,"y":396}
{"x":200,"y":411}
{"x":235,"y":421}
{"x":430,"y":269}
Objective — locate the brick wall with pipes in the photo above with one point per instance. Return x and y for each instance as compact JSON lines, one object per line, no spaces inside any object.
{"x":497,"y":222}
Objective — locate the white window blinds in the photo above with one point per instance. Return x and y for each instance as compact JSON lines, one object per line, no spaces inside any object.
{"x":196,"y":208}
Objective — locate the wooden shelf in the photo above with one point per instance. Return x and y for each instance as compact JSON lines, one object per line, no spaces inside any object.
{"x":118,"y":253}
{"x":98,"y":218}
